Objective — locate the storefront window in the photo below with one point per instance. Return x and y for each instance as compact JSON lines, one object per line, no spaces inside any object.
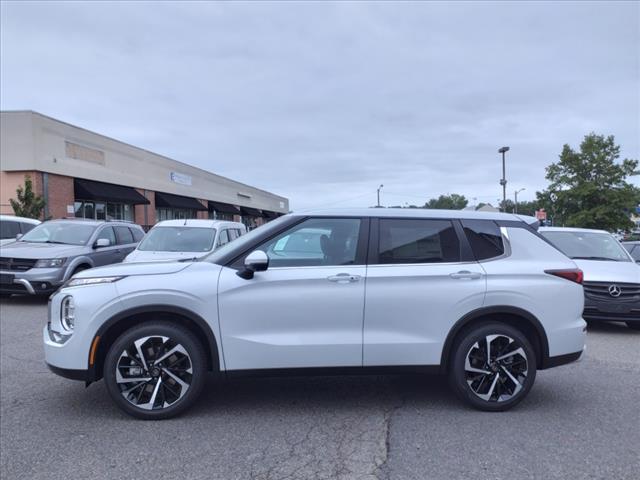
{"x":175,"y":214}
{"x":103,"y":210}
{"x":214,"y":215}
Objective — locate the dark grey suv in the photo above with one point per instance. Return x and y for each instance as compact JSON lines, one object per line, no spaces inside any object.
{"x":47,"y":256}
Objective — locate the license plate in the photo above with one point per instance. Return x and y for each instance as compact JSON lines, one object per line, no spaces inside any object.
{"x":613,"y":307}
{"x":6,"y":278}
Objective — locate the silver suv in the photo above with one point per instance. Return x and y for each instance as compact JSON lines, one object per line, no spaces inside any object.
{"x":479,"y":296}
{"x":47,"y":256}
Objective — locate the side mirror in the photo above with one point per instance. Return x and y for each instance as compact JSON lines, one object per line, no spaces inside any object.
{"x":18,"y":236}
{"x":256,"y":261}
{"x":101,"y":242}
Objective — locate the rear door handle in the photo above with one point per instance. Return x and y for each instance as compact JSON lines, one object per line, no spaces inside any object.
{"x":343,"y":278}
{"x":465,"y":275}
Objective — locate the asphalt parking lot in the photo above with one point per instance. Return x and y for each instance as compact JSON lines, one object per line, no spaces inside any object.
{"x":579,"y":421}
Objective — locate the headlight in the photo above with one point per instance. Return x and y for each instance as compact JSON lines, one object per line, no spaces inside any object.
{"x":67,"y":313}
{"x":78,"y":282}
{"x":50,"y":263}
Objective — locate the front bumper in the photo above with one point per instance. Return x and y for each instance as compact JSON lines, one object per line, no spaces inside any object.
{"x":611,"y":310}
{"x":70,"y":373}
{"x":35,"y":281}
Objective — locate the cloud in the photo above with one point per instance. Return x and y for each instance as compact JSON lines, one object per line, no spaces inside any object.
{"x":322,"y":102}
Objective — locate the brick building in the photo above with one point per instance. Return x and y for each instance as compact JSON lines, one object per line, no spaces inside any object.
{"x":85,"y":174}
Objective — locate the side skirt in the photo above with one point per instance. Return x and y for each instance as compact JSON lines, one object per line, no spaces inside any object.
{"x":333,"y":371}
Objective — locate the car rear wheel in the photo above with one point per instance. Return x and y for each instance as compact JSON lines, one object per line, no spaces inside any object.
{"x":155,"y":370}
{"x":493,"y":367}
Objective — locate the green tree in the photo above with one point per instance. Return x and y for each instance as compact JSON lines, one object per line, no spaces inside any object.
{"x":588,"y":188}
{"x":28,"y":204}
{"x":448,"y":202}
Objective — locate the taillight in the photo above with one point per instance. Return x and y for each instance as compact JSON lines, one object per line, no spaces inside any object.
{"x":572,"y":274}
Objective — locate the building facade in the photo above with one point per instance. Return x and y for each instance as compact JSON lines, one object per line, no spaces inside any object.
{"x":84,"y":174}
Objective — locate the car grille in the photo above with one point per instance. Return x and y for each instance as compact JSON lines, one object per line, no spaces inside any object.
{"x":19,"y":264}
{"x":592,"y":313}
{"x":600,"y":291}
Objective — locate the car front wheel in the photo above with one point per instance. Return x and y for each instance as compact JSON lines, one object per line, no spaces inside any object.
{"x":493,"y":367}
{"x":155,"y":370}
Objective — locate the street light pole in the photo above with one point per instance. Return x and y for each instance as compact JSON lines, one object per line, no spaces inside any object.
{"x":515,"y":208}
{"x":503,"y":180}
{"x":379,"y":195}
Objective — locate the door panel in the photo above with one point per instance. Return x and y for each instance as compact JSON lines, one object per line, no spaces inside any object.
{"x":417,"y":288}
{"x":410,"y":309}
{"x":306,"y":309}
{"x":106,"y":255}
{"x":292,"y":317}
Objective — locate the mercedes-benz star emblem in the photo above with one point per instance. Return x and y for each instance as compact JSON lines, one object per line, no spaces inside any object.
{"x":615,"y":291}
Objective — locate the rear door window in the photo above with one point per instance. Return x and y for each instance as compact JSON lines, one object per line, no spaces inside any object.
{"x":417,"y":241}
{"x":124,"y":235}
{"x":485,"y":238}
{"x":223,"y":238}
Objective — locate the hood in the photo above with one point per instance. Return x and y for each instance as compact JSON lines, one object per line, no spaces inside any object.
{"x":130,"y":269}
{"x":39,"y":250}
{"x":144,"y":256}
{"x":603,"y":271}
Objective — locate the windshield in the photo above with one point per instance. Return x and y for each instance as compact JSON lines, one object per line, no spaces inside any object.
{"x":60,"y":232}
{"x":178,"y":239}
{"x":588,"y":245}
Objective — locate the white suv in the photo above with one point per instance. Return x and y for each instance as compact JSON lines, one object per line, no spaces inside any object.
{"x":479,"y":296}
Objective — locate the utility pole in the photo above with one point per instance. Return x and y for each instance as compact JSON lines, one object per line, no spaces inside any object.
{"x":515,"y":208}
{"x":379,"y":195}
{"x":503,"y":180}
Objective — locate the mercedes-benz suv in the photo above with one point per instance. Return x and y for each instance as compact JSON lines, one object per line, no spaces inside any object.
{"x":611,"y":275}
{"x":480,"y":297}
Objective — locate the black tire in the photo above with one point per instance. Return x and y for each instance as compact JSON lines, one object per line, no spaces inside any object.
{"x":633,"y":325}
{"x":166,"y":402}
{"x":502,"y":393}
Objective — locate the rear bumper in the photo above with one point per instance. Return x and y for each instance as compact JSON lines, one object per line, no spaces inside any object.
{"x":559,"y":360}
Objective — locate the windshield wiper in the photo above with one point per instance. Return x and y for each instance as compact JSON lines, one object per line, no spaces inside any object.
{"x":607,"y":259}
{"x":56,"y":242}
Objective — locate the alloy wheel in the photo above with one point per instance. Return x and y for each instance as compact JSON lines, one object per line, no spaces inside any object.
{"x":154,"y":372}
{"x":496,"y":368}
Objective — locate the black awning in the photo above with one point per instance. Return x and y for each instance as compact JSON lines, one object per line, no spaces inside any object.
{"x":167,"y":200}
{"x":90,"y":190}
{"x":251,"y":212}
{"x":223,"y":207}
{"x":269,"y":214}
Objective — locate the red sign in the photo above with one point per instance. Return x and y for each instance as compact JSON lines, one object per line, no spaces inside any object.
{"x":541,"y":214}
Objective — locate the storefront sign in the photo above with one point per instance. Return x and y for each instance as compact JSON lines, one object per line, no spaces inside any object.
{"x":180,"y":178}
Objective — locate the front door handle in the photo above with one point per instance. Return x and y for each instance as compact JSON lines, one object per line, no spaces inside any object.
{"x":343,"y":278}
{"x":465,"y":275}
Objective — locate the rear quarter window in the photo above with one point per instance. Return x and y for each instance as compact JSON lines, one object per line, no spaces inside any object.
{"x":137,"y":234}
{"x":484,"y":237}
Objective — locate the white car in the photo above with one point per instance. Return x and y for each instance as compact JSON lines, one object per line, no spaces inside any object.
{"x":479,"y":296}
{"x":611,"y":275}
{"x":185,"y":239}
{"x":11,"y":227}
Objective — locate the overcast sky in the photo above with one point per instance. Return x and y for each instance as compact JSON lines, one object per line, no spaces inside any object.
{"x":322,"y":102}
